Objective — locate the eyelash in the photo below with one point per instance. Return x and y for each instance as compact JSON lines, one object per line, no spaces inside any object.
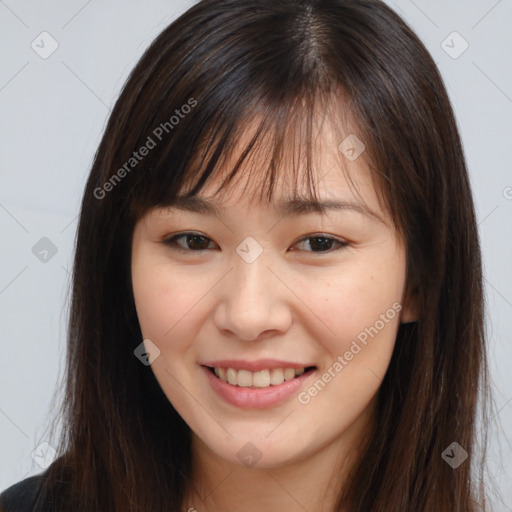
{"x":172,"y":242}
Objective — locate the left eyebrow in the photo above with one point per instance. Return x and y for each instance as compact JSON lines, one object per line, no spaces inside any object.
{"x":303,"y":206}
{"x":296,"y":206}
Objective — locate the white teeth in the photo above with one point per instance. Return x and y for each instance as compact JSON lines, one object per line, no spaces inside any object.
{"x":244,"y":378}
{"x":260,"y":379}
{"x":231,"y":376}
{"x":289,"y":373}
{"x":276,"y":376}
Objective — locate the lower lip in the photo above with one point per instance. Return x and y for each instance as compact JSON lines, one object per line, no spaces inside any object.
{"x":256,"y":398}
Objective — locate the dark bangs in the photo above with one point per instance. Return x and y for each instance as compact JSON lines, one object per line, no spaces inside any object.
{"x":197,"y":98}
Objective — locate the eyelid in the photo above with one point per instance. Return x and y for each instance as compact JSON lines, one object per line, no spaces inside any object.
{"x":171,"y":242}
{"x":340,"y":241}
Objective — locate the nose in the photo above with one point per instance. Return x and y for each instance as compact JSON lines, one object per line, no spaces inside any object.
{"x":253,"y":301}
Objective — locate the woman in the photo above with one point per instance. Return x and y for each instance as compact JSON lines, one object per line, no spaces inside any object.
{"x":277,"y":291}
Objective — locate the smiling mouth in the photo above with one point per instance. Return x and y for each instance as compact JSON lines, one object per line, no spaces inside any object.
{"x":259,"y":379}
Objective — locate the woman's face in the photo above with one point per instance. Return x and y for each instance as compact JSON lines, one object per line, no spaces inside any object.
{"x":258,"y":293}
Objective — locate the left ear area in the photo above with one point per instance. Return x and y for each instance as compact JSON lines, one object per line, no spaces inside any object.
{"x":410,"y":308}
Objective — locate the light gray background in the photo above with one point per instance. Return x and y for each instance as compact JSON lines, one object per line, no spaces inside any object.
{"x":54,"y":110}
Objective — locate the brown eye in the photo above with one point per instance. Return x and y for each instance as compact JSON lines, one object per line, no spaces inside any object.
{"x":322,"y":243}
{"x":188,"y":242}
{"x":197,"y":242}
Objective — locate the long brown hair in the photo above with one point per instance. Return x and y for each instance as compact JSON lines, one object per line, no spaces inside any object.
{"x":123,"y":445}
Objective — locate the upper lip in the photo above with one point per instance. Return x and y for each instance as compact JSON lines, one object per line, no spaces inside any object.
{"x":254,"y":366}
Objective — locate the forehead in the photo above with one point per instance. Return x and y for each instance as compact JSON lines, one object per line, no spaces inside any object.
{"x":338,"y":187}
{"x":332,"y":176}
{"x":306,"y":148}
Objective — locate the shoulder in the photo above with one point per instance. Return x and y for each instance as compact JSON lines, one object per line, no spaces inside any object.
{"x":22,"y":496}
{"x":43,"y":492}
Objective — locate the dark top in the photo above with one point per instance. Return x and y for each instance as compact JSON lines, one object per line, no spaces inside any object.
{"x":22,"y":497}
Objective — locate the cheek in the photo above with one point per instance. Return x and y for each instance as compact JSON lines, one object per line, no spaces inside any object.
{"x":361,"y":304}
{"x":163,"y":301}
{"x":361,"y":310}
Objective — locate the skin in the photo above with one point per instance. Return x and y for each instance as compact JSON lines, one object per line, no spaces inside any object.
{"x":291,"y":303}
